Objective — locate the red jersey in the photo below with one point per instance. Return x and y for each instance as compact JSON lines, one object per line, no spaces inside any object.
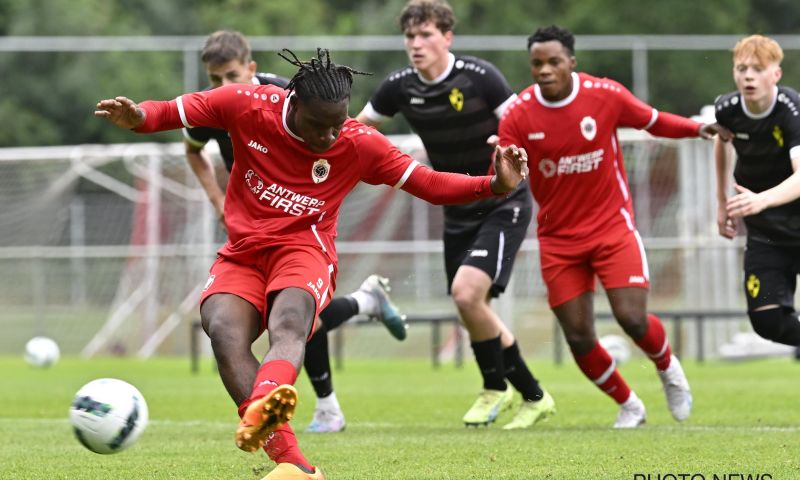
{"x":577,"y":175}
{"x":279,"y":191}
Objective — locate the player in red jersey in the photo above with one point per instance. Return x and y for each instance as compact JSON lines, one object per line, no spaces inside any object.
{"x":297,"y":157}
{"x":567,"y":122}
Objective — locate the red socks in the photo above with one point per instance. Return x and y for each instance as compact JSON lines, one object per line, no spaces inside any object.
{"x":655,"y":344}
{"x":598,"y":366}
{"x":281,"y":445}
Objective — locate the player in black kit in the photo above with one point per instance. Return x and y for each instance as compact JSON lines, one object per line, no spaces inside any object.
{"x":765,"y":121}
{"x":454,"y":103}
{"x":227,"y":58}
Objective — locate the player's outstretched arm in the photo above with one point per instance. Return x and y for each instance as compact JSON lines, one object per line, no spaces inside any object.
{"x":121,"y":111}
{"x":511,"y":168}
{"x":709,"y":130}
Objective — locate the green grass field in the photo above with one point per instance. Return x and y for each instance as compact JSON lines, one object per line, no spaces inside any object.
{"x":404,"y":423}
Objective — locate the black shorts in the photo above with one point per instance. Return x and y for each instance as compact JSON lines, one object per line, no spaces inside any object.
{"x":770,"y":274}
{"x":491,"y":247}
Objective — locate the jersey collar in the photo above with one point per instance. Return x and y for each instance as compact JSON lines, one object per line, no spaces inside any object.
{"x":576,"y":86}
{"x":285,"y":113}
{"x":765,"y":113}
{"x":451,"y":60}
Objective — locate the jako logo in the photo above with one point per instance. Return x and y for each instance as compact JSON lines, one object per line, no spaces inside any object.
{"x":636,"y":279}
{"x":257,"y":146}
{"x":479,"y":253}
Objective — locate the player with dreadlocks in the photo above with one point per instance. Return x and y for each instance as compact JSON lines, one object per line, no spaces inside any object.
{"x":297,"y":156}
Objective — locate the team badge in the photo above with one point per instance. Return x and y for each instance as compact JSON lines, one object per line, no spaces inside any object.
{"x":753,"y":285}
{"x":778,"y":134}
{"x":588,"y":128}
{"x":456,"y":99}
{"x":254,"y":182}
{"x":547,"y":167}
{"x":320,"y":170}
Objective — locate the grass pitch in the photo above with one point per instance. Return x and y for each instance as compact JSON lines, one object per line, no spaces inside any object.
{"x":404,"y":422}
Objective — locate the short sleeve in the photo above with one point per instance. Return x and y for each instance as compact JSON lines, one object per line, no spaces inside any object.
{"x":197,"y":136}
{"x":214,"y":108}
{"x":791,"y":127}
{"x":382,"y":162}
{"x":634,"y":113}
{"x":495,"y":88}
{"x":384,"y":100}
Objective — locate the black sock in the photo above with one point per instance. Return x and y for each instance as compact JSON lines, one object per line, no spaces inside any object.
{"x":520,"y":376}
{"x":340,"y":310}
{"x":317,"y":363}
{"x":490,"y":362}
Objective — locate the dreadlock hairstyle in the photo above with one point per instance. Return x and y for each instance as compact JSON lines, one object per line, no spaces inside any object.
{"x":553,"y":32}
{"x":320,"y":78}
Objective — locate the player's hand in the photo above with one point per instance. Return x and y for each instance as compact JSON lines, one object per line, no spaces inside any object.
{"x":745,"y":203}
{"x":725,"y":224}
{"x":511,"y":168}
{"x":121,"y":111}
{"x":708,"y":131}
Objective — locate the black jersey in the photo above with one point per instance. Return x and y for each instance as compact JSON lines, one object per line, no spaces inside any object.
{"x":453,"y":115}
{"x":762,"y":144}
{"x":199,"y":136}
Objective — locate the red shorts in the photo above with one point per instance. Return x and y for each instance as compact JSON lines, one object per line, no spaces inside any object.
{"x":298,"y":266}
{"x":616,"y":256}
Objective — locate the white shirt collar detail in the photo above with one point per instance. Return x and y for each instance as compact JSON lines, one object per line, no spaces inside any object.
{"x":576,"y":87}
{"x":451,"y":60}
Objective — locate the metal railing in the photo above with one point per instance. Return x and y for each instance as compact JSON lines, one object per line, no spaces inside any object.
{"x":676,"y":319}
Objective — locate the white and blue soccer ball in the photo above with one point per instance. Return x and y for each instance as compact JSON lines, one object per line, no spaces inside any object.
{"x":41,"y":352}
{"x":108,"y":415}
{"x":617,"y":346}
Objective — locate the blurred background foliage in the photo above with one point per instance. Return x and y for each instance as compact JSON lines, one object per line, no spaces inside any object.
{"x":47,"y":98}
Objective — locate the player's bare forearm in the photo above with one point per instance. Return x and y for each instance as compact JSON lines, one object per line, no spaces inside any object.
{"x":121,"y":111}
{"x":203,"y":169}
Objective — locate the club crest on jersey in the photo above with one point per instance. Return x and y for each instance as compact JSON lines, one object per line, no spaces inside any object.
{"x":456,"y":99}
{"x":588,"y":128}
{"x":254,"y":182}
{"x":320,"y":170}
{"x":777,"y":133}
{"x":547,"y":167}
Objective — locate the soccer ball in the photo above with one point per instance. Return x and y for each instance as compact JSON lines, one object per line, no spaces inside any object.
{"x":41,"y":352}
{"x":616,"y":346}
{"x":108,"y":415}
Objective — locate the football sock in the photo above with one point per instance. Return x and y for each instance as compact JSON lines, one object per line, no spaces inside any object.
{"x":340,"y":310}
{"x":655,"y":344}
{"x":367,"y":303}
{"x":777,"y":324}
{"x":599,"y":367}
{"x":273,"y":374}
{"x":329,"y":402}
{"x":489,"y":355}
{"x":317,"y":362}
{"x":519,"y":375}
{"x":282,"y":447}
